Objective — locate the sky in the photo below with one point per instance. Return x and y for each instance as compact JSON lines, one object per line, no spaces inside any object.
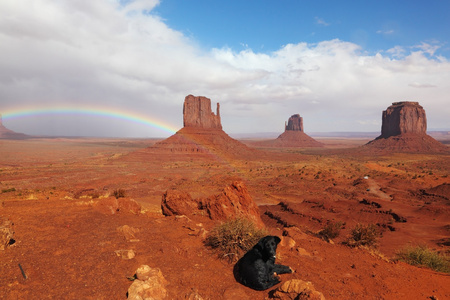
{"x":123,"y":68}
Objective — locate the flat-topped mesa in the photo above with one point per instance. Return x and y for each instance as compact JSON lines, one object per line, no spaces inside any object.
{"x":403,"y":117}
{"x":404,"y":129}
{"x":295,"y":123}
{"x":197,"y":113}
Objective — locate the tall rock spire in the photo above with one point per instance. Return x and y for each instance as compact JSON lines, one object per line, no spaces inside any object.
{"x":202,"y":133}
{"x":197,"y":113}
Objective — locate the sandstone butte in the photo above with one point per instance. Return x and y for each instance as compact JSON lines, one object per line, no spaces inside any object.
{"x":6,"y":133}
{"x":403,"y":129}
{"x":201,"y":133}
{"x":292,"y":137}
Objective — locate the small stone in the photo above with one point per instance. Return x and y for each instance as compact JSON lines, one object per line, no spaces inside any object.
{"x":149,"y":284}
{"x":128,"y":232}
{"x":125,"y":254}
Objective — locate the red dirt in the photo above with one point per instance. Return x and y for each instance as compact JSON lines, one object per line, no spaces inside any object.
{"x":407,"y":142}
{"x":66,"y":246}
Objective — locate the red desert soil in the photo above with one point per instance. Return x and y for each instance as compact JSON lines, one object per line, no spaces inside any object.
{"x":65,"y":240}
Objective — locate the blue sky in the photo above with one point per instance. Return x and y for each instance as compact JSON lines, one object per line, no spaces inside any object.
{"x":266,"y":26}
{"x":338,"y":64}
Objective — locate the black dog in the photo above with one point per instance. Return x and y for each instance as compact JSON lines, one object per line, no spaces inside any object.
{"x":257,"y":268}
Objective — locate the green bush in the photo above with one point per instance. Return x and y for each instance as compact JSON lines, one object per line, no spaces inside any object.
{"x":363,"y":235}
{"x":423,"y":256}
{"x":234,"y":238}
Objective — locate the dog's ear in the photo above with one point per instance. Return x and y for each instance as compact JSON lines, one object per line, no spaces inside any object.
{"x":277,"y":240}
{"x":262,"y":241}
{"x":260,"y":245}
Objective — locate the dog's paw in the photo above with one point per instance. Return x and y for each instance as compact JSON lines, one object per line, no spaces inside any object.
{"x":292,"y":270}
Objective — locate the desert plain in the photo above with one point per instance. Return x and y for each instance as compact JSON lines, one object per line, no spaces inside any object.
{"x":68,"y":244}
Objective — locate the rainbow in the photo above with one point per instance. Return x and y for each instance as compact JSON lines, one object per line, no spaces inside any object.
{"x":94,"y":112}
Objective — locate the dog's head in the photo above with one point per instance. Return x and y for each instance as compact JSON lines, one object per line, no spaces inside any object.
{"x":268,"y":246}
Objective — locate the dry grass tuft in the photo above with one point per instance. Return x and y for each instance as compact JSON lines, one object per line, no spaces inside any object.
{"x":423,"y":256}
{"x":233,"y":238}
{"x":120,"y":193}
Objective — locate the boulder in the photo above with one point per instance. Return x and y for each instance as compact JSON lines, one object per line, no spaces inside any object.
{"x":296,"y":289}
{"x":128,"y":205}
{"x":233,"y":202}
{"x":149,"y":284}
{"x":178,"y":203}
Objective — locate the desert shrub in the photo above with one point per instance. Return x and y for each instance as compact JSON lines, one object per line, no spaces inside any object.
{"x":331,"y":231}
{"x":363,"y":235}
{"x":234,"y":237}
{"x":423,"y":256}
{"x":120,"y":193}
{"x":8,"y":190}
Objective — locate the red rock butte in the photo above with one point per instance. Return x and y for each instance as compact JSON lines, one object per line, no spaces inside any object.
{"x":202,"y":132}
{"x":6,"y":133}
{"x":404,"y":129}
{"x":197,"y":113}
{"x":292,"y":137}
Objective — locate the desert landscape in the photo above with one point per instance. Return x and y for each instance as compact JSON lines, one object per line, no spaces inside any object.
{"x":83,"y":214}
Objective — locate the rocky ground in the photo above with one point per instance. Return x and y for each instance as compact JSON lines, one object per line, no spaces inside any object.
{"x":69,"y":233}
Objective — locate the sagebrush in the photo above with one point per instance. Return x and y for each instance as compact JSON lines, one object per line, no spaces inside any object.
{"x":331,"y":231}
{"x":234,"y":237}
{"x":363,"y":235}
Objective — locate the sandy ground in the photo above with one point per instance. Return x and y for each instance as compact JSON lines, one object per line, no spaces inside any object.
{"x":66,"y":246}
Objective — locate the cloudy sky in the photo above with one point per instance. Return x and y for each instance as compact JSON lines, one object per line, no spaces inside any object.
{"x":123,"y":68}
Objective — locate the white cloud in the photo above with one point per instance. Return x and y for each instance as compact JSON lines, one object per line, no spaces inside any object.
{"x":427,"y":48}
{"x":102,"y":54}
{"x":421,"y":85}
{"x":386,"y":32}
{"x":321,"y":21}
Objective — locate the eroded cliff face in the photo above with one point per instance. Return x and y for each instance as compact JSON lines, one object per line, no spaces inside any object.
{"x":197,"y":113}
{"x":295,"y":123}
{"x":403,"y":117}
